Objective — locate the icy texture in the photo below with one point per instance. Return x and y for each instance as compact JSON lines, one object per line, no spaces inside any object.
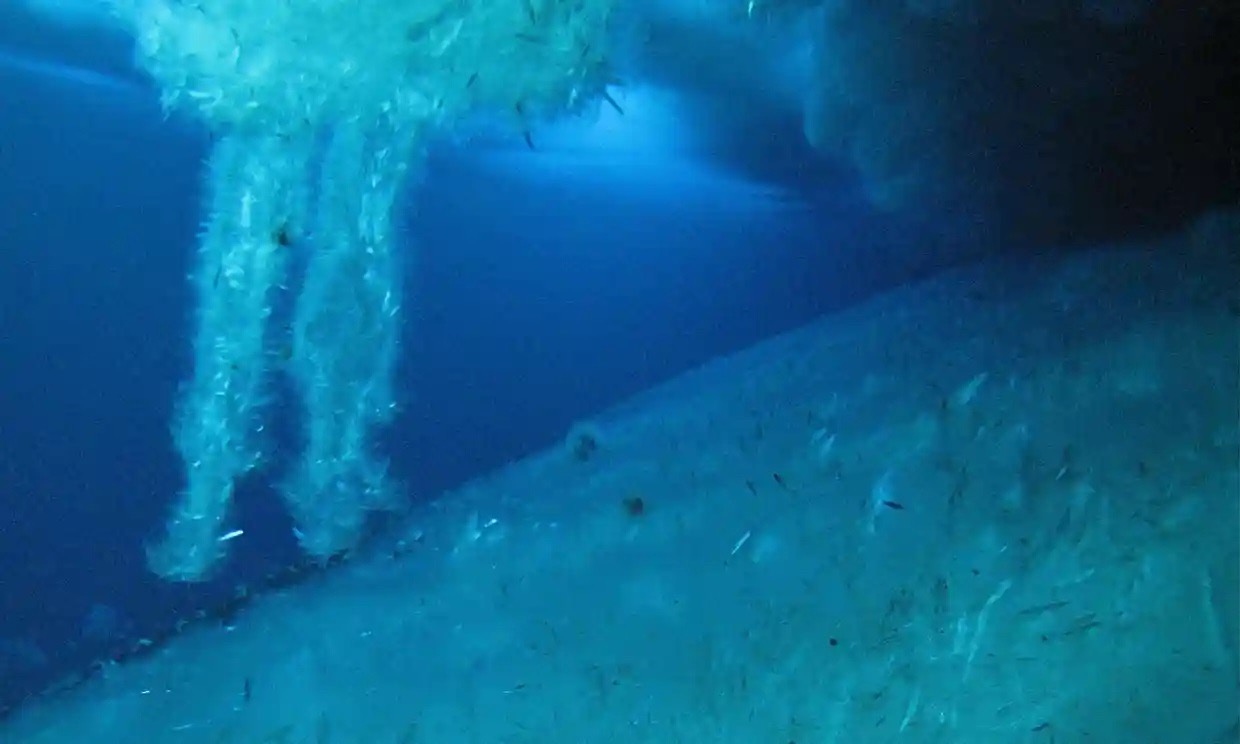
{"x":334,"y":99}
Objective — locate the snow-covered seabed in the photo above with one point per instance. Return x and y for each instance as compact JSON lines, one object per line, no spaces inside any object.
{"x":998,"y":506}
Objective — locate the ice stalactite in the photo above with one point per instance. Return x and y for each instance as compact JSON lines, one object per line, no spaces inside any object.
{"x":320,"y":111}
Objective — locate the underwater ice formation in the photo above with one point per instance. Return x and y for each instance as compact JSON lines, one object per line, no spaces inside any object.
{"x":969,"y":108}
{"x":320,"y":111}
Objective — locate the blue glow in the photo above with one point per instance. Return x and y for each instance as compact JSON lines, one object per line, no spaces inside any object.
{"x":76,"y":76}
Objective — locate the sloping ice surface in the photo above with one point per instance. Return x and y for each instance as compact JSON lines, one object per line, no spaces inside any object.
{"x":998,"y":506}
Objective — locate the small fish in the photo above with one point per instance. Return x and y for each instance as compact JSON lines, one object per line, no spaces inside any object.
{"x":634,"y":506}
{"x":894,"y":505}
{"x":741,"y":542}
{"x":607,"y":97}
{"x":282,"y":237}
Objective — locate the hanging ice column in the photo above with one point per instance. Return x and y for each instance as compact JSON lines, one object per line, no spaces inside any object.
{"x":257,"y":185}
{"x":320,"y":110}
{"x":345,"y":336}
